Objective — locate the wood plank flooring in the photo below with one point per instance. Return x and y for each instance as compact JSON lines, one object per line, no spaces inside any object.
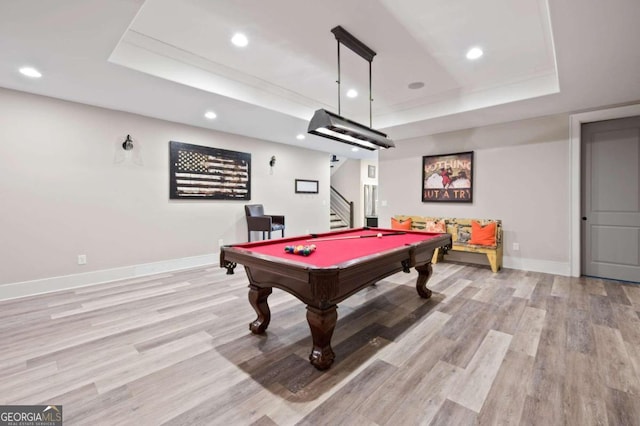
{"x":513,"y":348}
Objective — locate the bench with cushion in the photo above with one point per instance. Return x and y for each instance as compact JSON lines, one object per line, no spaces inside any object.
{"x":468,"y":235}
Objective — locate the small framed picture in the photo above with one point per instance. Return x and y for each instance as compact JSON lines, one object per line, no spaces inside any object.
{"x":372,"y":172}
{"x":304,"y":186}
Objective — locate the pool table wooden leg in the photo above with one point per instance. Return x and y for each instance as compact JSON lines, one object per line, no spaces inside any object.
{"x":258,"y":299}
{"x":322,"y":322}
{"x":424,"y":272}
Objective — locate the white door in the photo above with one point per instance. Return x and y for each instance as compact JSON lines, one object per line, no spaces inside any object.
{"x":611,"y":199}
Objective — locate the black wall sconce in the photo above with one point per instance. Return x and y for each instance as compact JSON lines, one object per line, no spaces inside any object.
{"x":127,"y":145}
{"x":272,"y":162}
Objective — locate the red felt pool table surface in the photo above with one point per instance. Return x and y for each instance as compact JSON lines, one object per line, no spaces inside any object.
{"x":344,"y":248}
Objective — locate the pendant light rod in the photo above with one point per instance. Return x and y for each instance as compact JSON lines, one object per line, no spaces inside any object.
{"x":345,"y":37}
{"x":370,"y":98}
{"x":338,"y":81}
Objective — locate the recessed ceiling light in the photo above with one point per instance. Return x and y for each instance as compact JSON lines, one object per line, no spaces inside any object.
{"x":210,"y":115}
{"x":239,"y":40}
{"x":300,"y":137}
{"x":352,"y":93}
{"x":474,"y":53}
{"x":416,"y":85}
{"x":354,"y":149}
{"x":30,"y":72}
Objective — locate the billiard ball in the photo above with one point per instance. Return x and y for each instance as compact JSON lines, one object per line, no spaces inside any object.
{"x":379,"y":235}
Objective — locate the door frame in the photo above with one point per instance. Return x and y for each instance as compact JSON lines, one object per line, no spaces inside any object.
{"x":575,"y":146}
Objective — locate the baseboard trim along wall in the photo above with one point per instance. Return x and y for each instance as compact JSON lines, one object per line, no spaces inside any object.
{"x":537,"y":265}
{"x":48,"y":285}
{"x":512,"y":262}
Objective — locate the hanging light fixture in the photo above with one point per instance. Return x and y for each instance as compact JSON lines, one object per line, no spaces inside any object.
{"x":329,"y":125}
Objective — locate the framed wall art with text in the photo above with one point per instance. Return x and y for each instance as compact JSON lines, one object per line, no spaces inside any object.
{"x":448,"y":178}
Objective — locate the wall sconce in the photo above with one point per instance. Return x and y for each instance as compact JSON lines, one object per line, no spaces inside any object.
{"x":272,"y":162}
{"x":127,"y":145}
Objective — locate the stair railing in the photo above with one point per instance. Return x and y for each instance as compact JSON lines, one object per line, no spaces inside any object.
{"x":342,"y":207}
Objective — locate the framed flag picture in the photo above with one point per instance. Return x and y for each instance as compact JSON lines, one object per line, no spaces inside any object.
{"x":205,"y":173}
{"x":448,"y":178}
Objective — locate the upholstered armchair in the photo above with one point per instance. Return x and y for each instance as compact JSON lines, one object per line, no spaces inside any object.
{"x":258,"y":221}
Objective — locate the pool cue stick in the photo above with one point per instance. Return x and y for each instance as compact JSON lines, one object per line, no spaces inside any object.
{"x":353,"y":237}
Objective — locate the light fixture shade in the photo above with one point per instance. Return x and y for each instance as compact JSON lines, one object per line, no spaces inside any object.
{"x":333,"y":126}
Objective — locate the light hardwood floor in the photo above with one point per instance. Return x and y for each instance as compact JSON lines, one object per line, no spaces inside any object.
{"x":508,"y":348}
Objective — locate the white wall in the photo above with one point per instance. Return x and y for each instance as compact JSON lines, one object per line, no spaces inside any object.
{"x":521,"y":176}
{"x":68,"y":188}
{"x":350,"y":179}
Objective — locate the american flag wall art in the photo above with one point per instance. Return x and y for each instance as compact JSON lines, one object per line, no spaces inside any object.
{"x":202,"y":172}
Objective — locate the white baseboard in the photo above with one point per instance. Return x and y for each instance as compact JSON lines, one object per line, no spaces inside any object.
{"x":537,"y":265}
{"x":523,"y":264}
{"x":47,"y":285}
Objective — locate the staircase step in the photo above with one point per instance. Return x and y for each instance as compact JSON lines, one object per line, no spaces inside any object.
{"x":335,"y":228}
{"x":336,"y":223}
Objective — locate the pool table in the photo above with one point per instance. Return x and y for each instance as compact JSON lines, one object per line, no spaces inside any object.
{"x":343,"y":263}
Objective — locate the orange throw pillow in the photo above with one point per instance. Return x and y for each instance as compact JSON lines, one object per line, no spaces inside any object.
{"x":483,"y":235}
{"x":404,"y":225}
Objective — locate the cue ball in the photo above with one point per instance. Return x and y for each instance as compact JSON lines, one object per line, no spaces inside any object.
{"x":379,"y":235}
